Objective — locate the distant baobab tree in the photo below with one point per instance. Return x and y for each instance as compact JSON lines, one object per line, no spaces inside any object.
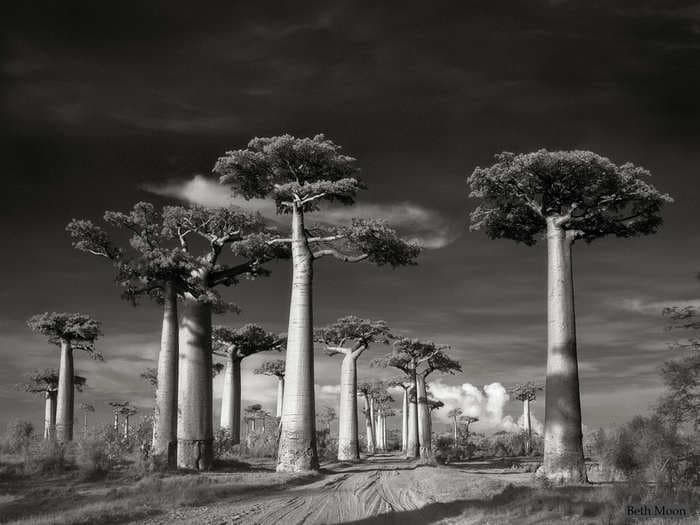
{"x":433,"y":404}
{"x":454,"y":414}
{"x":118,"y":409}
{"x":86,"y":408}
{"x":382,"y":404}
{"x":350,"y":336}
{"x":298,"y":174}
{"x":527,"y":393}
{"x":564,"y":196}
{"x":69,"y":332}
{"x":127,"y":412}
{"x":45,"y":382}
{"x":274,"y":368}
{"x":368,"y":391}
{"x":152,"y":264}
{"x":327,"y":416}
{"x":404,"y":385}
{"x":418,"y":359}
{"x":468,"y":420}
{"x":235,"y":344}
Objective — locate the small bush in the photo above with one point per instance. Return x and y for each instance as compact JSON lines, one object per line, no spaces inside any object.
{"x":17,"y":438}
{"x":326,"y":445}
{"x":92,"y":458}
{"x":47,"y":457}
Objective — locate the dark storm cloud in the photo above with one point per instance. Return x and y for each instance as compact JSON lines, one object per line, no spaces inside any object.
{"x":100,"y":100}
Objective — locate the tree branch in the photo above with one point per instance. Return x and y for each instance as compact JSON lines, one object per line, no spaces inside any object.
{"x":338,"y":255}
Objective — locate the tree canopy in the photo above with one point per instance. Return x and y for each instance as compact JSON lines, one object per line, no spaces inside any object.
{"x":526,"y":391}
{"x":584,"y":192}
{"x":80,"y":330}
{"x":272,"y":368}
{"x":244,"y":341}
{"x":42,"y":381}
{"x":351,"y":333}
{"x":422,"y":357}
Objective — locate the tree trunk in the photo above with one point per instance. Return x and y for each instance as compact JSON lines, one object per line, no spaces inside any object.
{"x":85,"y":427}
{"x":455,"y":429}
{"x":424,"y":438}
{"x":50,"y":415}
{"x":64,"y":410}
{"x":297,"y":449}
{"x":378,"y":431}
{"x":528,"y":426}
{"x":280,"y":395}
{"x":384,"y":433}
{"x":413,"y":442}
{"x":563,"y":449}
{"x":194,"y":425}
{"x":348,"y":436}
{"x":231,"y":398}
{"x":371,"y":443}
{"x":373,"y":424}
{"x":404,"y":422}
{"x":126,"y":426}
{"x":164,"y":445}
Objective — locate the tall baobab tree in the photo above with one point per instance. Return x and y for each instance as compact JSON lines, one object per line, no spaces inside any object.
{"x":454,"y":414}
{"x":86,"y":408}
{"x":368,"y":391}
{"x":235,"y":344}
{"x":247,"y":237}
{"x":127,"y":412}
{"x":299,"y":174}
{"x":382,"y":403}
{"x":567,"y":196}
{"x":274,"y":368}
{"x":468,"y":420}
{"x":152,"y":265}
{"x":118,"y":409}
{"x":527,"y":393}
{"x":45,"y":382}
{"x":401,"y":382}
{"x":350,"y":336}
{"x":69,"y":332}
{"x":418,"y":359}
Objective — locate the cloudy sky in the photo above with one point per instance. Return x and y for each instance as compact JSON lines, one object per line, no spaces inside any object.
{"x":106,"y":105}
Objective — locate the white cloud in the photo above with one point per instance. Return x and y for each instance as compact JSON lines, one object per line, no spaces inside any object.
{"x":654,"y":308}
{"x":427,"y":227}
{"x":329,"y":389}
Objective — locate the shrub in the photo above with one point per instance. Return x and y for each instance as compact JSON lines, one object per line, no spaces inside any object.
{"x":18,"y":437}
{"x":47,"y":457}
{"x":92,"y":458}
{"x":326,"y":445}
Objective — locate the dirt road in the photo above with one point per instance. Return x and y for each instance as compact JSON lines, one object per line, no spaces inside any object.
{"x":384,"y":489}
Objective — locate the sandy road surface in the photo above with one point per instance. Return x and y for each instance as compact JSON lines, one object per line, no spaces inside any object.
{"x":385,"y":489}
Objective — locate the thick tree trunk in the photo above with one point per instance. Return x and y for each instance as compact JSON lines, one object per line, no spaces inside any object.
{"x":425,"y":449}
{"x":373,"y":424}
{"x":413,"y":443}
{"x":371,"y":443}
{"x":231,"y":399}
{"x":384,"y":432}
{"x":528,"y":426}
{"x":64,"y":410}
{"x":563,"y":449}
{"x":85,"y":426}
{"x":348,"y":436}
{"x":378,"y":430}
{"x":194,"y":424}
{"x":280,"y":395}
{"x":455,"y":430}
{"x":404,"y":422}
{"x":297,"y":449}
{"x":164,"y":446}
{"x":50,"y":415}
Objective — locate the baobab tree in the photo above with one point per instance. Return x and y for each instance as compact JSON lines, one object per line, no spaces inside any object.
{"x":401,"y":382}
{"x":127,"y":412}
{"x":86,"y":408}
{"x":118,"y":409}
{"x":368,"y":391}
{"x":235,"y":344}
{"x":299,"y":174}
{"x":418,"y":359}
{"x":327,"y":416}
{"x":527,"y":393}
{"x":382,"y":404}
{"x":567,"y":196}
{"x":350,"y":336}
{"x":151,"y":265}
{"x":45,"y":383}
{"x":69,"y":331}
{"x":274,"y":368}
{"x":454,"y":414}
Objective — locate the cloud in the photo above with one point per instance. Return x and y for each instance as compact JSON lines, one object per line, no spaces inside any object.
{"x":487,"y":404}
{"x":427,"y":227}
{"x":653,"y":308}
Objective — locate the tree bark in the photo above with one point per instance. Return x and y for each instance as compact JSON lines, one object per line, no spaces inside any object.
{"x":50,"y":415}
{"x":194,"y":425}
{"x":413,"y":442}
{"x":64,"y":410}
{"x":164,"y":446}
{"x":85,"y":426}
{"x":373,"y":424}
{"x":455,"y":429}
{"x":115,"y":421}
{"x":528,"y":425}
{"x":404,"y":422}
{"x":424,"y":438}
{"x":297,"y":448}
{"x":280,"y":395}
{"x":348,"y":435}
{"x":126,"y":426}
{"x":371,"y":443}
{"x":563,"y":449}
{"x":231,"y":398}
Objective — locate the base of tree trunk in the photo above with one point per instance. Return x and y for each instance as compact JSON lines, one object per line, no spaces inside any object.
{"x":297,"y":459}
{"x":562,"y":472}
{"x":348,"y":451}
{"x":195,"y":454}
{"x":425,"y":452}
{"x":165,"y":455}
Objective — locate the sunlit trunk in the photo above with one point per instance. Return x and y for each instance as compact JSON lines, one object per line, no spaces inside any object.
{"x":412,"y":445}
{"x":373,"y":423}
{"x":126,"y":426}
{"x":384,"y":432}
{"x":348,"y":436}
{"x":280,"y":395}
{"x":50,"y":415}
{"x":85,"y":425}
{"x":115,"y":421}
{"x":404,"y":422}
{"x":378,"y":431}
{"x":371,"y":443}
{"x":64,"y":410}
{"x":563,"y":449}
{"x":454,"y":420}
{"x":297,"y":448}
{"x":424,"y":438}
{"x":194,"y":424}
{"x":231,"y":398}
{"x":527,"y":425}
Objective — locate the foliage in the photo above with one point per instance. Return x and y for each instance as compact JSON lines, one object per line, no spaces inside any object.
{"x":46,"y":457}
{"x":353,"y":331}
{"x":421,"y":357}
{"x":272,"y":368}
{"x":245,"y":341}
{"x":326,"y":445}
{"x":526,"y":391}
{"x":18,"y":437}
{"x":587,"y":193}
{"x":80,"y":330}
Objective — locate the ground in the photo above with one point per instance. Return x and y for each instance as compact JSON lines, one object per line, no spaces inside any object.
{"x":382,"y":489}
